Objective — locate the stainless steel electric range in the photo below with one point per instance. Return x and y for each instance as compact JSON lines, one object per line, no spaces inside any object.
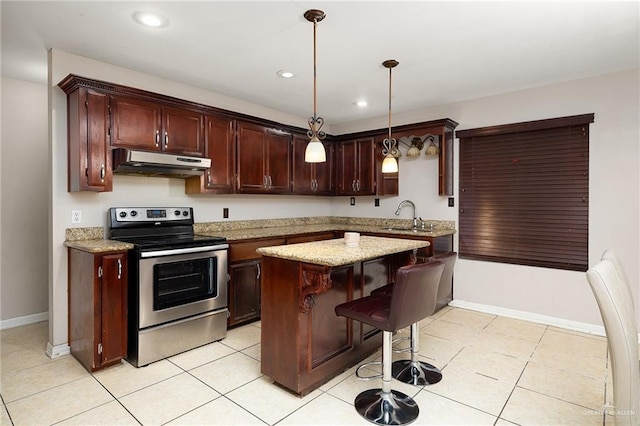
{"x":177,"y":282}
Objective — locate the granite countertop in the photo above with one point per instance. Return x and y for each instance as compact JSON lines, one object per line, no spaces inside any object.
{"x":244,"y":230}
{"x":99,"y":246}
{"x":337,"y":253}
{"x":93,"y":239}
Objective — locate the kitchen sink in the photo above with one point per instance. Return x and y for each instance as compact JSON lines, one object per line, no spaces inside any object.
{"x":394,"y":228}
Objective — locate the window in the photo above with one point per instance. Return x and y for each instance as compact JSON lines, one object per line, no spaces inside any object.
{"x":524,"y":193}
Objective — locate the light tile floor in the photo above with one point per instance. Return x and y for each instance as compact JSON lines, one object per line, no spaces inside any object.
{"x":497,"y":371}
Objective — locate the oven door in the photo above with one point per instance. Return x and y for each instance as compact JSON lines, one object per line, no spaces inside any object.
{"x":177,"y":284}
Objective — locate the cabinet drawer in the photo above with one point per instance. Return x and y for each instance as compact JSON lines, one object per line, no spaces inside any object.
{"x":247,"y":250}
{"x":310,"y":237}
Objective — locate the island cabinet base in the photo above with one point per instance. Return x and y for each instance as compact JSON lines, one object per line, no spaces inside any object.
{"x":304,"y":343}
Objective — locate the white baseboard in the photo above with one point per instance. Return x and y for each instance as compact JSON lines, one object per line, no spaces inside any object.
{"x":25,"y":320}
{"x":528,"y":316}
{"x":58,"y":350}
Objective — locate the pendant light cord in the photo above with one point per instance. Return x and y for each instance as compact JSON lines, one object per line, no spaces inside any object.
{"x":315,"y":25}
{"x":390,"y":104}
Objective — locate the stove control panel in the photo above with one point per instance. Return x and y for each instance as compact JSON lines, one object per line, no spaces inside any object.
{"x":152,"y":214}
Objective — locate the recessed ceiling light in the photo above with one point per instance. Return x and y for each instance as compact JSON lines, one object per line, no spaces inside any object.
{"x":361,"y":103}
{"x":149,"y":19}
{"x":284,"y":74}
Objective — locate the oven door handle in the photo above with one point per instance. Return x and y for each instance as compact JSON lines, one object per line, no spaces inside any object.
{"x":187,"y":250}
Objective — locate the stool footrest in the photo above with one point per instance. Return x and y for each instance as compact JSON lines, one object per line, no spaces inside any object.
{"x":367,"y":364}
{"x":398,"y":340}
{"x":391,"y":408}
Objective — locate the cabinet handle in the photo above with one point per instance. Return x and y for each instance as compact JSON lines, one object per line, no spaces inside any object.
{"x":353,"y":185}
{"x":119,"y":269}
{"x":157,"y":138}
{"x":270,"y":182}
{"x":264,"y":180}
{"x":358,"y":185}
{"x":166,"y":139}
{"x":102,"y":173}
{"x":258,"y":271}
{"x":208,"y":177}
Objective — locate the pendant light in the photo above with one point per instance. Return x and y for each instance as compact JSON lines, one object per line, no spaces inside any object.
{"x":389,"y":146}
{"x":314,"y":152}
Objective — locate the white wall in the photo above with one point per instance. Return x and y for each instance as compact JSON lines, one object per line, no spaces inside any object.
{"x":614,"y":191}
{"x":24,"y":189}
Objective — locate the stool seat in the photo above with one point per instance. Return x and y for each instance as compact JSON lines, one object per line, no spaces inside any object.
{"x":413,"y":285}
{"x":374,"y":310}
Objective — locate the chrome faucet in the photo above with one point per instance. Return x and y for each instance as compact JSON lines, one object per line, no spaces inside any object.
{"x":402,"y":204}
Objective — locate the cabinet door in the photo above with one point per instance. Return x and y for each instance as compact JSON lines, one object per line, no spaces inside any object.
{"x":89,"y":159}
{"x":244,"y":292}
{"x":135,"y":123}
{"x":114,"y":307}
{"x":278,"y":159}
{"x":182,"y":132}
{"x":366,"y":167}
{"x":219,"y":139}
{"x":346,"y":168}
{"x":325,"y":346}
{"x":324,"y":175}
{"x":98,"y":156}
{"x":250,"y":159}
{"x":302,"y":173}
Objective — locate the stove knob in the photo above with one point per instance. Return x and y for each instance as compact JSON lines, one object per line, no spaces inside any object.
{"x":134,"y":213}
{"x":185,"y":213}
{"x":176,"y":212}
{"x":122,"y":214}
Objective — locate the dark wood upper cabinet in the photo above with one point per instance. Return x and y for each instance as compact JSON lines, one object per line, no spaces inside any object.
{"x":219,"y":136}
{"x":356,"y":167}
{"x":258,"y":157}
{"x":89,"y":159}
{"x":152,"y":126}
{"x":263,"y":159}
{"x":311,"y":178}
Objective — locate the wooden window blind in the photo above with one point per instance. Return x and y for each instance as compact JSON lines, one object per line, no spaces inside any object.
{"x":524,"y":193}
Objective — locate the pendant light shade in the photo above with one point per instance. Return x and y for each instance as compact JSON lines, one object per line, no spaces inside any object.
{"x":389,"y":145}
{"x":315,"y":152}
{"x":389,"y":164}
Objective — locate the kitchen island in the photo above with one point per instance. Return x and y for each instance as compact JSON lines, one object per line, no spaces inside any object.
{"x":304,"y":344}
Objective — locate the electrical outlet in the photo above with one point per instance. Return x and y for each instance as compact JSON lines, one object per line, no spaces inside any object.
{"x":451,"y":202}
{"x":76,"y":216}
{"x":376,"y":202}
{"x":352,"y":201}
{"x":225,"y":213}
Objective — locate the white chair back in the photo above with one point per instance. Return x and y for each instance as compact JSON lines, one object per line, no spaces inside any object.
{"x":613,"y":294}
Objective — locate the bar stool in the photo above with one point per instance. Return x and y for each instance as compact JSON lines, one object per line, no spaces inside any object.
{"x":414,"y":284}
{"x":413,"y":371}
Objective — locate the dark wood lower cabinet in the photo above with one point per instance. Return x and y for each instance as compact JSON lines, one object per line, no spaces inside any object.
{"x":244,"y":292}
{"x":304,"y":344}
{"x":245,"y":274}
{"x":97,"y":307}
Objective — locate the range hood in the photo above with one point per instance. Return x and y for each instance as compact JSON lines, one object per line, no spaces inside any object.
{"x":131,"y":162}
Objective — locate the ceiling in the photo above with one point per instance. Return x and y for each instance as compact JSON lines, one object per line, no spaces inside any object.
{"x":448,"y":51}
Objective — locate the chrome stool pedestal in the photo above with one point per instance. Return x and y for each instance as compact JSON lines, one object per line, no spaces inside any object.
{"x":384,"y":406}
{"x":413,"y":371}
